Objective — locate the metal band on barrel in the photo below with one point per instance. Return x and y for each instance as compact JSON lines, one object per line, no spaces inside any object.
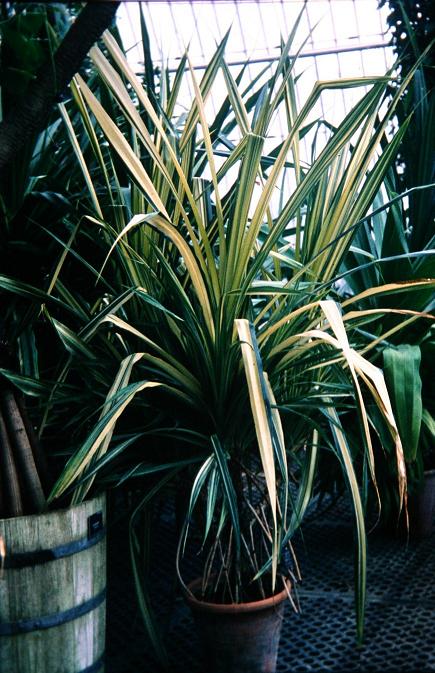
{"x":48,"y":621}
{"x":37,"y":557}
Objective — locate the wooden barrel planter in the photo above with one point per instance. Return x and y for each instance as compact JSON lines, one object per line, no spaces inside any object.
{"x":53,"y":590}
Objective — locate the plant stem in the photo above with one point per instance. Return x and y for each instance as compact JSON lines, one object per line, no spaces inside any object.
{"x":23,"y":451}
{"x":12,"y":496}
{"x":39,"y":455}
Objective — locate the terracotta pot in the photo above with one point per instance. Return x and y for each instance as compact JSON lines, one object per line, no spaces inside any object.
{"x":239,"y":637}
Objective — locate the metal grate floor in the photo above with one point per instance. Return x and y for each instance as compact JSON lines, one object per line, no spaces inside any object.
{"x":400,"y":613}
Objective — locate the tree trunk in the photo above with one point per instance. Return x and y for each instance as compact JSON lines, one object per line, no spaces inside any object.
{"x":32,"y":115}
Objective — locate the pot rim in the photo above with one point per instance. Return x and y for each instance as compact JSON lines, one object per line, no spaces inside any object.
{"x":230,"y":608}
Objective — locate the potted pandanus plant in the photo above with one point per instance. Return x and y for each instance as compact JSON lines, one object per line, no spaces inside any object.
{"x":217,"y":305}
